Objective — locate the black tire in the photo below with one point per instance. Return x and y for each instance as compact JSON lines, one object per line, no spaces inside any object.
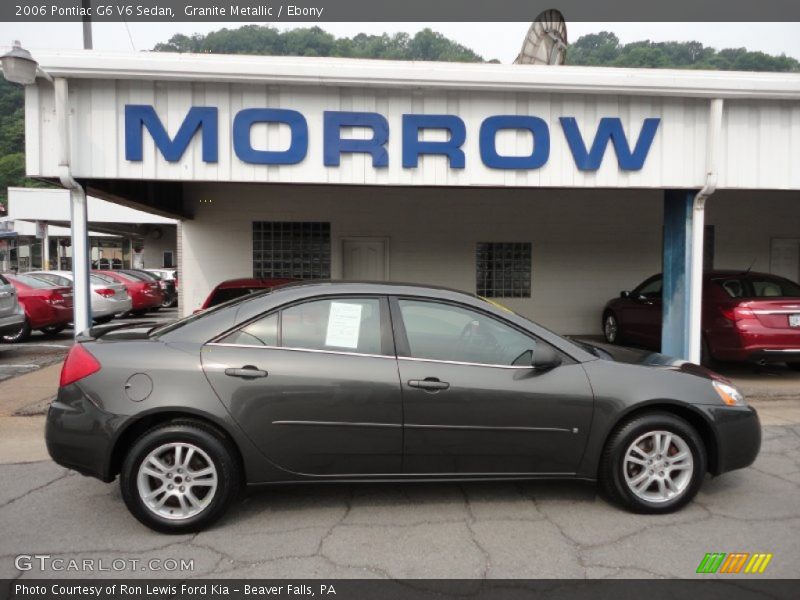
{"x":101,"y":320}
{"x":154,"y":309}
{"x":794,"y":366}
{"x":138,"y":313}
{"x":167,"y":302}
{"x":52,"y":330}
{"x":706,"y":358}
{"x":611,"y":329}
{"x":20,"y":336}
{"x":209,"y":441}
{"x":612,"y":464}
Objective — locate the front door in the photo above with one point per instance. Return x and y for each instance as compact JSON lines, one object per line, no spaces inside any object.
{"x":472,"y":402}
{"x":364,"y":259}
{"x":315,"y":386}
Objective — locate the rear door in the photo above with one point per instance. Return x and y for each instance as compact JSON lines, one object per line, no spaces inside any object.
{"x":315,"y":386}
{"x":473,"y":405}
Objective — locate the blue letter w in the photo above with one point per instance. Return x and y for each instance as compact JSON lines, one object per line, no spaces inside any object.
{"x":610,"y":128}
{"x":141,"y":116}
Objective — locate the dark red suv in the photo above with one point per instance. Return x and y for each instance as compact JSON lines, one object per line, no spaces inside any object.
{"x":746,"y":317}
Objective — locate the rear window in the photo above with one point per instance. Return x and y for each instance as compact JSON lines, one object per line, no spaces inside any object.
{"x":104,"y":278}
{"x":53,"y":278}
{"x":226,"y":294}
{"x":758,"y":287}
{"x":32,"y":282}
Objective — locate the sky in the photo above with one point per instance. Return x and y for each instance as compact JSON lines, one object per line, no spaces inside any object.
{"x":491,"y":40}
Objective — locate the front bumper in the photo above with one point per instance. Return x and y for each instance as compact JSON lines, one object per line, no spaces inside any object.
{"x":79,"y":435}
{"x":738,"y":434}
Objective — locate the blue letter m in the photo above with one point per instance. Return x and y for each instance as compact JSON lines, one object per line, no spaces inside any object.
{"x":610,"y":128}
{"x":141,"y":116}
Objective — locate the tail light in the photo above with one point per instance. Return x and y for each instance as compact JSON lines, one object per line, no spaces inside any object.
{"x":55,"y":298}
{"x":737,"y":313}
{"x":79,"y":364}
{"x":105,"y":292}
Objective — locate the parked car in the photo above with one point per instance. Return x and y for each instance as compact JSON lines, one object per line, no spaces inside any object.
{"x":108,"y":298}
{"x":236,"y":288}
{"x":166,"y":282}
{"x":747,"y":316}
{"x":12,"y":315}
{"x":145,"y":293}
{"x":47,"y":307}
{"x":369,"y":381}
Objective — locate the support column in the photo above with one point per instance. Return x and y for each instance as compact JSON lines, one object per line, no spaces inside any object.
{"x":684,"y":221}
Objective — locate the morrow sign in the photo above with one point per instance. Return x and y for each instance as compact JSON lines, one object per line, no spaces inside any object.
{"x":204,"y":120}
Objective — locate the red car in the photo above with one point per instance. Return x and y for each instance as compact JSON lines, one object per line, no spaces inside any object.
{"x":235,"y":288}
{"x":751,"y":317}
{"x":145,"y":293}
{"x":47,"y":307}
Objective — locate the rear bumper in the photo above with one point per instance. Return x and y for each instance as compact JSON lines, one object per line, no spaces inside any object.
{"x":103,"y":307}
{"x":738,"y":433}
{"x":79,"y":435}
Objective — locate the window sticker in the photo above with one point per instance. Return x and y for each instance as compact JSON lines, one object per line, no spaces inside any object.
{"x":344,"y":325}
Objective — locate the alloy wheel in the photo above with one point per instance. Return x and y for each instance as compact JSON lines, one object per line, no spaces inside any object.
{"x":177,"y":480}
{"x":658,"y":466}
{"x":610,"y":328}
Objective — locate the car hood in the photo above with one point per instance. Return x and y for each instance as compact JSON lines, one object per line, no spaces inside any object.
{"x":644,"y":358}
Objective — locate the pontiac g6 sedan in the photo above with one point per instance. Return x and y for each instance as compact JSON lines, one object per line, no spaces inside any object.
{"x":381,"y":382}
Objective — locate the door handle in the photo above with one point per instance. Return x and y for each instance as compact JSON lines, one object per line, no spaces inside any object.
{"x":246,"y":372}
{"x":431,"y":384}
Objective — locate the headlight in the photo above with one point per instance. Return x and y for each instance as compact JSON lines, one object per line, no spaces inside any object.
{"x":729,"y":394}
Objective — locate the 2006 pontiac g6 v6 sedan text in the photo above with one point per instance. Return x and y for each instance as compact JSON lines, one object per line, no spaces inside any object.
{"x":381,"y":382}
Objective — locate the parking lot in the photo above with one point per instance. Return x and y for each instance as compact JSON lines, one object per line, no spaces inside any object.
{"x":480,"y":530}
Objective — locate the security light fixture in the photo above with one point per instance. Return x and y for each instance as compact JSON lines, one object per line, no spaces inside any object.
{"x":20,"y":67}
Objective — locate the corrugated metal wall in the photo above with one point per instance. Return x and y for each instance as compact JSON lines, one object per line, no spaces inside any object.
{"x":761,"y":141}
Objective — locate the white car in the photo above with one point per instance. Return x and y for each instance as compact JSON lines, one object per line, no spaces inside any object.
{"x":109,"y":297}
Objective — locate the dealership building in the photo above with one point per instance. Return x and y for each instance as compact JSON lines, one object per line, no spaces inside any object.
{"x":547,"y":188}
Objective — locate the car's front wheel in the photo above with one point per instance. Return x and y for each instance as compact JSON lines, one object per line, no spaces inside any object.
{"x":611,"y":328}
{"x":180,"y":477}
{"x":653,"y":463}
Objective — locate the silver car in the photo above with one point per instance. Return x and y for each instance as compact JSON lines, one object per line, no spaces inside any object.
{"x":109,"y":297}
{"x":12,"y":315}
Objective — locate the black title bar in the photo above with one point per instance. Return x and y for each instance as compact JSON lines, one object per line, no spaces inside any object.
{"x":314,"y":11}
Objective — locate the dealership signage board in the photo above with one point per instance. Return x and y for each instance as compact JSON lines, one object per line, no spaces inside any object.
{"x":235,"y":132}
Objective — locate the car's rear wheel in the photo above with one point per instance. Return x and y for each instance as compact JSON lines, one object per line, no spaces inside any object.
{"x":51,"y":330}
{"x":22,"y":334}
{"x":653,"y":463}
{"x":794,"y":366}
{"x":611,"y":329}
{"x":180,"y":477}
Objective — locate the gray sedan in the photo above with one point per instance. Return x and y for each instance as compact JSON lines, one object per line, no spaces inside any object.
{"x":321,"y":382}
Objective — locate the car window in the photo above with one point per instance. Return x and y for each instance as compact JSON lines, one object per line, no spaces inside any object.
{"x":650,"y":289}
{"x":225,"y":294}
{"x":263,"y":332}
{"x":342,"y":324}
{"x":104,"y":278}
{"x":32,"y":282}
{"x":773,"y":287}
{"x":52,"y":278}
{"x":439,"y":331}
{"x":732,"y":286}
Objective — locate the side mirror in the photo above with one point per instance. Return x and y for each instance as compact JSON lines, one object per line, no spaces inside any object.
{"x":545,"y":358}
{"x":625,"y":294}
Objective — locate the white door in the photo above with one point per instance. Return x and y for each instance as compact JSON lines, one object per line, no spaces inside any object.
{"x":364,"y":259}
{"x":784,"y":258}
